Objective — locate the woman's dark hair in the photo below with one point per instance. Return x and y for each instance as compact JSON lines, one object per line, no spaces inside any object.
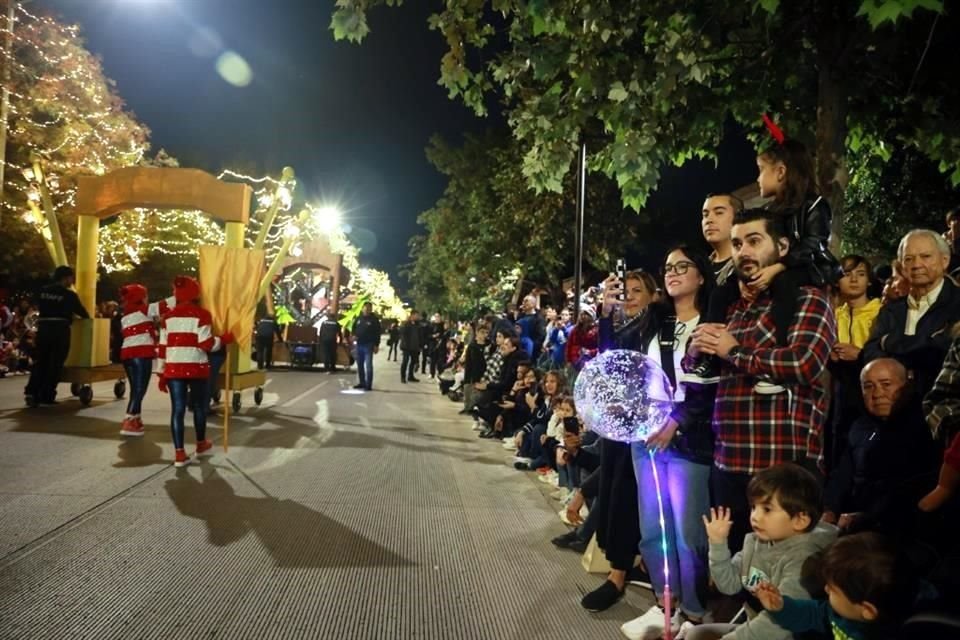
{"x":561,"y":380}
{"x":801,"y":177}
{"x":646,"y":278}
{"x":702,"y":263}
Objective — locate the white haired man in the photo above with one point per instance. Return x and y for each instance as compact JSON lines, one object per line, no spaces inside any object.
{"x":915,"y":330}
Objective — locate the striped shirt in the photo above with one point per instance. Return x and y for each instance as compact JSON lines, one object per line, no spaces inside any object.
{"x":139,"y":331}
{"x":755,"y":431}
{"x":185,"y":340}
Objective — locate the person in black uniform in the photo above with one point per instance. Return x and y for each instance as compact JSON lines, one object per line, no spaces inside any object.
{"x":57,"y":304}
{"x":330,"y":335}
{"x":267,"y":328}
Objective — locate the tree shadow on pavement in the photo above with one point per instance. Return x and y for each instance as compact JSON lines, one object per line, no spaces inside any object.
{"x":294,"y":535}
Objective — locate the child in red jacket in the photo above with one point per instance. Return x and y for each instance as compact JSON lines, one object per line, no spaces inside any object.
{"x":185,"y":339}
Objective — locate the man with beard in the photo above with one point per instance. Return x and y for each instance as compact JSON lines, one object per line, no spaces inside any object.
{"x":755,"y":431}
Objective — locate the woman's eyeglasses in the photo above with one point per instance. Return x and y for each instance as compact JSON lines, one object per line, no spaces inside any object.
{"x":679,"y":268}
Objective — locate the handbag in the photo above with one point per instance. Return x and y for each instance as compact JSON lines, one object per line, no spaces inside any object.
{"x":594,"y":560}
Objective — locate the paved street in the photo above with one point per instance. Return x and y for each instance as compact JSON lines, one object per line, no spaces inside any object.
{"x":333,"y":515}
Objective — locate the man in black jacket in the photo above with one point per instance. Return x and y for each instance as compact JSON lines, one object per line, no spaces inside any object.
{"x":915,"y":330}
{"x":366,"y":332}
{"x":494,"y":392}
{"x":58,"y":304}
{"x":411,"y":343}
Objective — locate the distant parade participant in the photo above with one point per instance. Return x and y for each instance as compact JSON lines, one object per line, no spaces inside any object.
{"x":57,"y":304}
{"x":186,"y":338}
{"x":139,"y":348}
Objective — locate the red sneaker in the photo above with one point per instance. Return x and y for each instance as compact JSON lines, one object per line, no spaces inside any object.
{"x":544,"y":470}
{"x":181,"y":459}
{"x":131,"y":427}
{"x":203,"y":448}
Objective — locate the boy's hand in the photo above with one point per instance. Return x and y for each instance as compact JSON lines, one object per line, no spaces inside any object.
{"x":769,"y":596}
{"x":718,"y":525}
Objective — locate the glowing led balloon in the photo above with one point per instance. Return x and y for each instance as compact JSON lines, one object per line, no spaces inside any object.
{"x":623,"y":396}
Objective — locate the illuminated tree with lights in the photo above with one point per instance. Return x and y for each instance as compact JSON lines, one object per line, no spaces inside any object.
{"x":65,"y":111}
{"x":375,"y":286}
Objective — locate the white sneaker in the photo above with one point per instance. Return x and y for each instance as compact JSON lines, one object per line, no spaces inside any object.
{"x":765,"y":388}
{"x":649,"y":626}
{"x":477,"y":426}
{"x":526,"y":461}
{"x":509,"y":445}
{"x":683,"y":630}
{"x":549,"y":478}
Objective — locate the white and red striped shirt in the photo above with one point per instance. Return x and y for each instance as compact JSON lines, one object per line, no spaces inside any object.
{"x":139,"y":333}
{"x":185,"y":340}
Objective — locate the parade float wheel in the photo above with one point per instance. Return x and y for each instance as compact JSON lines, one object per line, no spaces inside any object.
{"x":85,"y":394}
{"x":119,"y":389}
{"x":258,"y":395}
{"x":236,"y":401}
{"x":75,"y":388}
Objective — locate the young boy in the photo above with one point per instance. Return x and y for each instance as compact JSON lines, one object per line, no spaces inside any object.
{"x":785,"y":509}
{"x":869,"y":587}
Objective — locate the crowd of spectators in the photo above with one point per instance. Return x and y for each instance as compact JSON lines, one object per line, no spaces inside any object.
{"x":18,"y":332}
{"x":812,"y":480}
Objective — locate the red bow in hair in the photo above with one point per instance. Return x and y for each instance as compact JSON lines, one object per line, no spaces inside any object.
{"x":775,"y":131}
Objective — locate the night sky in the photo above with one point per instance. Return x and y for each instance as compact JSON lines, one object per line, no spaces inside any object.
{"x":352,"y":120}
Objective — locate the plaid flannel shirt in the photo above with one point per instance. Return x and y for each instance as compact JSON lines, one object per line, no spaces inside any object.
{"x":942,"y":403}
{"x":754,"y":431}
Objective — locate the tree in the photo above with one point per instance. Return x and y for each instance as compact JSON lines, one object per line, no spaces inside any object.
{"x":907,"y":193}
{"x":374,"y":286}
{"x":64,"y":110}
{"x":651,"y":84}
{"x":489,"y":228}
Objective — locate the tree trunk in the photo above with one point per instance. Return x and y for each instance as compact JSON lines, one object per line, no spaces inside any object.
{"x":832,"y":114}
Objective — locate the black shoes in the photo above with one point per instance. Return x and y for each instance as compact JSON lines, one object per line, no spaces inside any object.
{"x":602,"y":598}
{"x":359,"y":386}
{"x":412,"y":379}
{"x":639,"y":577}
{"x":570,"y":540}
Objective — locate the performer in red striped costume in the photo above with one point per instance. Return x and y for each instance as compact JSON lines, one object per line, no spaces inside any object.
{"x":185,"y":339}
{"x":139,"y":348}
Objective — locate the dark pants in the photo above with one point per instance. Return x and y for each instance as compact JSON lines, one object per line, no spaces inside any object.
{"x":392,"y":352}
{"x":408,"y":365}
{"x":216,"y":360}
{"x":329,"y":349}
{"x":52,"y":346}
{"x":264,"y":352}
{"x":179,"y":389}
{"x":618,"y":526}
{"x":138,"y":374}
{"x":365,"y":364}
{"x":729,"y":490}
{"x":425,"y":356}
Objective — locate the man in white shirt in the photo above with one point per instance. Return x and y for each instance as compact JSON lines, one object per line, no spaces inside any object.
{"x":916,"y":329}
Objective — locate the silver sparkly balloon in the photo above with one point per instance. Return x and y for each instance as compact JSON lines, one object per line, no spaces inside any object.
{"x":623,"y":396}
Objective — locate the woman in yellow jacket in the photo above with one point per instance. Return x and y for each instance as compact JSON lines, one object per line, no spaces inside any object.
{"x":855,"y":314}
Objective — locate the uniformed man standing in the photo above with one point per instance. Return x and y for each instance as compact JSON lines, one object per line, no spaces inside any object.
{"x":57,"y":304}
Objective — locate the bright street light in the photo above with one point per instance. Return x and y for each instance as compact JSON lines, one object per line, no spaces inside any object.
{"x":328,"y":218}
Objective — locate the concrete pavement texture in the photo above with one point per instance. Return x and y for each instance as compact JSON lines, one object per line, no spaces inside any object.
{"x":334,"y":514}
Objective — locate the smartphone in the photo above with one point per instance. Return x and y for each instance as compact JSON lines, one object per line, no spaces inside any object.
{"x":621,"y":275}
{"x":571,"y":425}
